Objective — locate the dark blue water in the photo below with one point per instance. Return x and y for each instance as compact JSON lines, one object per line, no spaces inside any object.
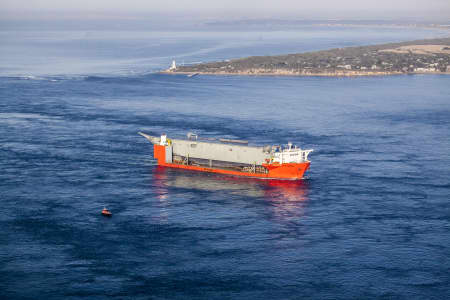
{"x":371,"y":220}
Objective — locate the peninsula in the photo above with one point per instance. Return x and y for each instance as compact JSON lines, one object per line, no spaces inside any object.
{"x":420,"y":56}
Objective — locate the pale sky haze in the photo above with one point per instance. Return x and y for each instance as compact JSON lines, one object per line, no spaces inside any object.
{"x":313,"y":9}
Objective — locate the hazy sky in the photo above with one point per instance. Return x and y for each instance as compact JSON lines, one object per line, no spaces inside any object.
{"x":375,"y":9}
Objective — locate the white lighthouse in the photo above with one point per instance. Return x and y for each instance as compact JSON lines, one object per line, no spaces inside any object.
{"x":173,"y":66}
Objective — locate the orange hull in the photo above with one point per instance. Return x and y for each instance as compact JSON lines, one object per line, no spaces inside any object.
{"x":289,"y":171}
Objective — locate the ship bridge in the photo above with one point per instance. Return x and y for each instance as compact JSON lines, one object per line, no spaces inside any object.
{"x":290,"y":154}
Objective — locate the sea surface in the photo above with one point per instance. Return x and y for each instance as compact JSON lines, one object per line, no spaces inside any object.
{"x":370,"y":221}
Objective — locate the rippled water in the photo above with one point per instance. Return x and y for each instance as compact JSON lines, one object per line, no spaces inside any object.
{"x":370,"y":221}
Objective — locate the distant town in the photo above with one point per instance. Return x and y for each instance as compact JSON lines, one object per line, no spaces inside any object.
{"x":421,"y":56}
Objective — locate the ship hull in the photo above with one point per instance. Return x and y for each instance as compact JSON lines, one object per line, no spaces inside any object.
{"x":286,"y":171}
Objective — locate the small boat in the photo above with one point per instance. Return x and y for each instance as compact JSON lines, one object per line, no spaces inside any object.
{"x":193,"y":74}
{"x":106,"y":212}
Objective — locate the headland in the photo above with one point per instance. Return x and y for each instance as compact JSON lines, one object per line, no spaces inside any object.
{"x":430,"y":56}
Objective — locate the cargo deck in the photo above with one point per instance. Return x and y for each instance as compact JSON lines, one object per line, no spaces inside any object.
{"x":231,"y":157}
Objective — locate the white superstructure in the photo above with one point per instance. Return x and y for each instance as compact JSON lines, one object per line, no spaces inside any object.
{"x":290,"y":154}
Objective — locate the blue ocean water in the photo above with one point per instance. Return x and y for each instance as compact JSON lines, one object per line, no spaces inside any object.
{"x":370,"y":221}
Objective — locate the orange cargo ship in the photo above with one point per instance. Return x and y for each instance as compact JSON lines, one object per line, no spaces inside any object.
{"x":231,"y":157}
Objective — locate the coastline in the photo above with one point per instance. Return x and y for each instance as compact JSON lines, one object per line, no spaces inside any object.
{"x":430,"y":56}
{"x":299,"y":74}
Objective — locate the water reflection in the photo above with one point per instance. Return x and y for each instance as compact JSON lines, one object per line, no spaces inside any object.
{"x":160,"y":180}
{"x":161,"y":191}
{"x":286,"y":198}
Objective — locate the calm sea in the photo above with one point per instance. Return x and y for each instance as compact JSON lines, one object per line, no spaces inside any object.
{"x":370,"y":221}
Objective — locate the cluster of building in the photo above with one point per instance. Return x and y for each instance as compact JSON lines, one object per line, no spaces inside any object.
{"x":378,"y":59}
{"x":388,"y":62}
